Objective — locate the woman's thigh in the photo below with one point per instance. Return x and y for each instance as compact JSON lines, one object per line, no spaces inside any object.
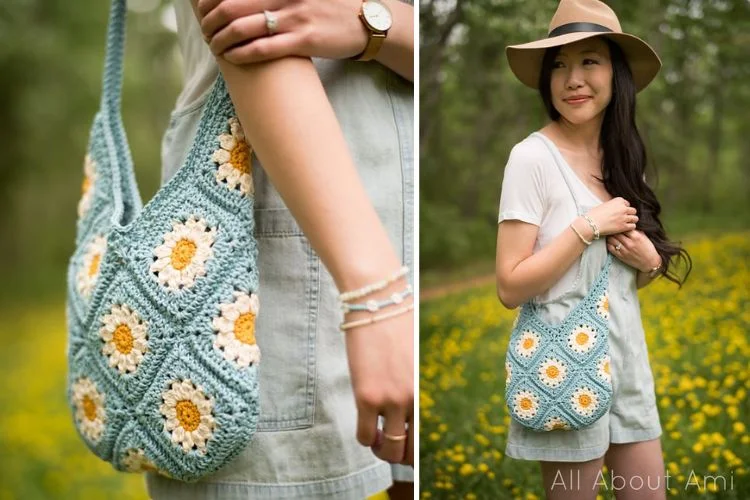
{"x":572,"y":480}
{"x":637,"y":470}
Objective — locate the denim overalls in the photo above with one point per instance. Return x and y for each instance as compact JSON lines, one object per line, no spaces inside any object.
{"x":306,"y":446}
{"x":633,"y":415}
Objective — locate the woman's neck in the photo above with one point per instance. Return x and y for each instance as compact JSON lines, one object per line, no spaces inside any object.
{"x":584,"y":137}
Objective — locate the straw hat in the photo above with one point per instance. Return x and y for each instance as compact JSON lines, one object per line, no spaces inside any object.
{"x":577,"y":20}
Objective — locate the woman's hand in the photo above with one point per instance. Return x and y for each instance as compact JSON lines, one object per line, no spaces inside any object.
{"x":236,"y":29}
{"x":613,"y":217}
{"x":381,"y":363}
{"x":634,"y":249}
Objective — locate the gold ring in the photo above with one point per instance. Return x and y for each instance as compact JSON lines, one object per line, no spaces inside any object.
{"x":617,"y":247}
{"x":390,"y":437}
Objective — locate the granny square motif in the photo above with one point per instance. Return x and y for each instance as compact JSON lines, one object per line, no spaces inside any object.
{"x":162,"y":299}
{"x":558,"y":377}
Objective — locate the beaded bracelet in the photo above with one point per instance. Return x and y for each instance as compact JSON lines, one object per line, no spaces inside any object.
{"x":376,"y":318}
{"x":579,"y":235}
{"x":375,"y":287}
{"x":374,"y":305}
{"x":593,"y":225}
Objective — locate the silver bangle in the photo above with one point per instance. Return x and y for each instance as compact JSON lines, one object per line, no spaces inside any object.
{"x":375,"y":305}
{"x":593,"y":225}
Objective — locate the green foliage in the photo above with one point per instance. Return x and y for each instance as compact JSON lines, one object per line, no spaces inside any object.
{"x":51,"y":62}
{"x":473,"y":111}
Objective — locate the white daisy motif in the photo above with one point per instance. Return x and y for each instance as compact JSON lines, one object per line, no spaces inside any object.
{"x":582,"y":339}
{"x":87,"y":187}
{"x":125,"y":338}
{"x":235,"y":328}
{"x":508,"y":372}
{"x":234,"y":159}
{"x":525,"y":404}
{"x":602,"y":306}
{"x":189,"y":415}
{"x":584,"y":401}
{"x":89,"y":404}
{"x":603,"y":370}
{"x":527,"y":344}
{"x":552,"y":372}
{"x":89,"y":271}
{"x":556,"y":423}
{"x":183,"y":255}
{"x":135,"y":460}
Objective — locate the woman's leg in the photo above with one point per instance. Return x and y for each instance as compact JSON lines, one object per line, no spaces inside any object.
{"x":572,"y":480}
{"x":637,"y":470}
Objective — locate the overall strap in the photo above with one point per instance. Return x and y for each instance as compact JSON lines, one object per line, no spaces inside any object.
{"x":112,"y":81}
{"x":558,"y":161}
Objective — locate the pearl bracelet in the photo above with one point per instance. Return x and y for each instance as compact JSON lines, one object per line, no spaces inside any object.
{"x":374,"y":305}
{"x":593,"y":225}
{"x":375,"y":287}
{"x":376,"y":318}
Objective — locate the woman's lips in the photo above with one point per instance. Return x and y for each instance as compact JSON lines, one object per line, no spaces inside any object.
{"x":579,"y":100}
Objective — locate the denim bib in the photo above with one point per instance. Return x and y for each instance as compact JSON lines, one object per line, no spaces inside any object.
{"x":558,"y":376}
{"x":163,"y":363}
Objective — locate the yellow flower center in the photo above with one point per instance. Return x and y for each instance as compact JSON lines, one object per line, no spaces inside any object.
{"x":89,"y":407}
{"x":584,"y":400}
{"x":526,"y":404}
{"x":558,"y":425}
{"x":528,"y":343}
{"x":123,"y":339}
{"x":552,"y":372}
{"x":240,"y":157}
{"x":244,"y":328}
{"x":86,"y":185}
{"x":605,"y":304}
{"x":183,"y":253}
{"x":94,"y":267}
{"x":606,"y":367}
{"x":582,"y":338}
{"x":188,"y":415}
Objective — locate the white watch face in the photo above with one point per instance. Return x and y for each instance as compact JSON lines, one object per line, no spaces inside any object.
{"x":377,"y":15}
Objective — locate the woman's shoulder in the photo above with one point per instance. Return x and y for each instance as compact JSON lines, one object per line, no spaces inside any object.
{"x":531,"y":152}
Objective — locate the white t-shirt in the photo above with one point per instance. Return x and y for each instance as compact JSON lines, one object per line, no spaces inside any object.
{"x":535,"y":191}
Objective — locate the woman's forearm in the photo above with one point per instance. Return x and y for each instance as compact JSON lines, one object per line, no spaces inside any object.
{"x":541,"y":270}
{"x":293,"y":130}
{"x":397,"y":52}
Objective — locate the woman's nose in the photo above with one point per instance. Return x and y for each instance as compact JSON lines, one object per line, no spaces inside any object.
{"x":574,"y":78}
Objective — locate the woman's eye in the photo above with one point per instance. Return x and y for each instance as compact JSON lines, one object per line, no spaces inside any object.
{"x":590,"y":61}
{"x":557,"y":64}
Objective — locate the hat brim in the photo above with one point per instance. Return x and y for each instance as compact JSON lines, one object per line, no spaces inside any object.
{"x":525,"y":60}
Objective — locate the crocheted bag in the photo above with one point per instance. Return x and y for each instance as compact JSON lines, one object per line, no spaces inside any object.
{"x":163,"y":364}
{"x":558,"y":377}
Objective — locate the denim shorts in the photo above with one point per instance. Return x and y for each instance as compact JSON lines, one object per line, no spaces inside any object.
{"x":633,"y":415}
{"x":306,"y":443}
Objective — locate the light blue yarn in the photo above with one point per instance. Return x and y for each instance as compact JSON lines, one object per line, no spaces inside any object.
{"x":581,"y":368}
{"x":179,"y":323}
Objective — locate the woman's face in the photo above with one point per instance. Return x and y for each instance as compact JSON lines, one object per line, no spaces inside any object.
{"x":581,"y":81}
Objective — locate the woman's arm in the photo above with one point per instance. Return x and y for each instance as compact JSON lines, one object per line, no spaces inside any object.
{"x":288,"y":120}
{"x":311,"y":28}
{"x":397,"y":52}
{"x":521,"y":274}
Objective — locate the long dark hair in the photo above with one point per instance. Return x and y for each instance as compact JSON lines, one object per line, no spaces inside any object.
{"x":624,"y":157}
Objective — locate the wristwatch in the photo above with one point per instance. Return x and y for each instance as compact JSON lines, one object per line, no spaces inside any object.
{"x":377,"y":19}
